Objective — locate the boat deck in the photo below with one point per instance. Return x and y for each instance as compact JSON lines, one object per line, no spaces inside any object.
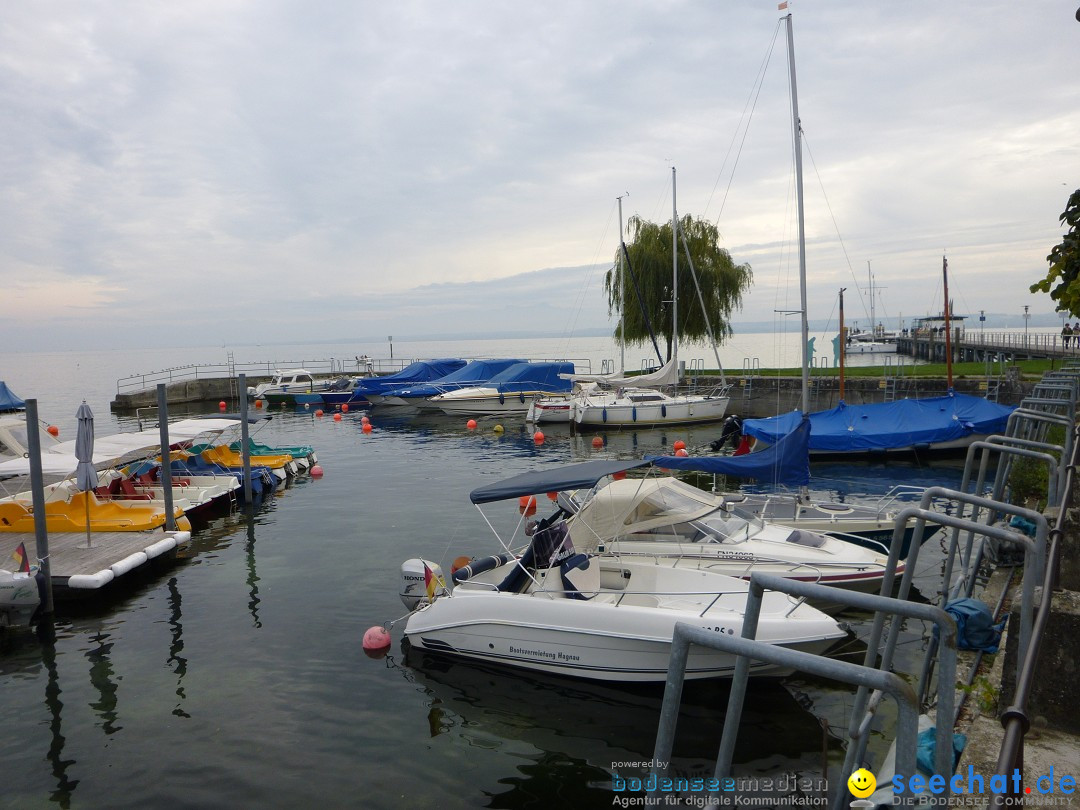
{"x":80,"y":566}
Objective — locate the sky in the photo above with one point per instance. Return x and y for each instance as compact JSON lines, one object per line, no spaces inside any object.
{"x":198,"y":173}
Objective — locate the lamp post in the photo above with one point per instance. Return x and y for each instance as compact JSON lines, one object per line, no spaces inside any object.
{"x":1027,"y":315}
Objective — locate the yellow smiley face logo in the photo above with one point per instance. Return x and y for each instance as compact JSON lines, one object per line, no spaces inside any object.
{"x":861,"y":783}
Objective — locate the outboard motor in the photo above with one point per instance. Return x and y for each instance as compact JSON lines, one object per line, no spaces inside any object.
{"x":421,"y":582}
{"x":729,"y":432}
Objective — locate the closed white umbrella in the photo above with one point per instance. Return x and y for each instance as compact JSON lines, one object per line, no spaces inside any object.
{"x":86,"y":477}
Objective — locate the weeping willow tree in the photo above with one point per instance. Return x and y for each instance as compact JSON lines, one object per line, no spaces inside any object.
{"x":722,"y":283}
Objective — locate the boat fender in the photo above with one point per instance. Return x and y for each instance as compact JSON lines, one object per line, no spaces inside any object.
{"x":521,"y":396}
{"x":633,"y":413}
{"x":663,"y":411}
{"x":604,"y":414}
{"x":480,"y":566}
{"x":502,"y":398}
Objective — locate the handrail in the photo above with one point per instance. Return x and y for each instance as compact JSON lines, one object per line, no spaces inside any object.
{"x":1014,"y":720}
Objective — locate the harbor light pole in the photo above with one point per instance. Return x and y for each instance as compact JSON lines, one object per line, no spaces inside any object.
{"x":1027,"y":315}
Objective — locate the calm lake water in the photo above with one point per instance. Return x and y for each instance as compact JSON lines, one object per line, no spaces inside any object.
{"x":236,"y":678}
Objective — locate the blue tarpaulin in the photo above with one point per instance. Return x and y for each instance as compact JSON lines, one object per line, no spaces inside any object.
{"x":421,"y":371}
{"x":786,"y":461}
{"x":477,"y":372}
{"x":8,"y":400}
{"x":918,"y":423}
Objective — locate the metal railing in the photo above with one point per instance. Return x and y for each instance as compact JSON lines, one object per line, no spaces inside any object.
{"x":1014,"y":720}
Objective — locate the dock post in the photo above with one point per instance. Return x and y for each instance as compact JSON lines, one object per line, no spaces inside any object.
{"x":37,"y":493}
{"x":166,"y":459}
{"x":245,"y":450}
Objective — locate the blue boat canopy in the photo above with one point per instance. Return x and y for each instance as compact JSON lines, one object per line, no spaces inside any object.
{"x":8,"y":400}
{"x":419,"y":372}
{"x":572,"y":476}
{"x":532,"y":377}
{"x":785,"y":462}
{"x":477,"y":372}
{"x":888,"y":425}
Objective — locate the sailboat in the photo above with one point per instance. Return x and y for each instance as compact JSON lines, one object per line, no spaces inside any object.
{"x":616,"y":400}
{"x":877,"y":340}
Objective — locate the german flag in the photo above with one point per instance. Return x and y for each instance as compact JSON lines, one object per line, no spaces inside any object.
{"x":432,"y":583}
{"x":20,"y":557}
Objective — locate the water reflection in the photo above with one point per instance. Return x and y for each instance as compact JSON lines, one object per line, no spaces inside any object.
{"x":252,"y":574}
{"x":176,"y":646}
{"x":65,"y":786}
{"x":102,"y":678}
{"x":583,"y":731}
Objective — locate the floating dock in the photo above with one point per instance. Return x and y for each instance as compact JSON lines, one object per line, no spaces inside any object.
{"x":79,"y":567}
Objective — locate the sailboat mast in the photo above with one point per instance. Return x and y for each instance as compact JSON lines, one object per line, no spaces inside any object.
{"x":622,"y":296}
{"x":797,"y":134}
{"x":948,"y":328}
{"x":843,"y":343}
{"x":674,"y":274}
{"x":873,"y":314}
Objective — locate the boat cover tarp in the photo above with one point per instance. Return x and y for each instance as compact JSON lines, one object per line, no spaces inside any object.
{"x":476,"y":372}
{"x":551,"y":377}
{"x":559,"y":479}
{"x":785,"y":462}
{"x":889,"y":425}
{"x":419,"y":372}
{"x":8,"y":400}
{"x":667,"y":374}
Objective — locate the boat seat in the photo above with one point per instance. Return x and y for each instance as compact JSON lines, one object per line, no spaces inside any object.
{"x":581,"y":576}
{"x":128,"y":490}
{"x":549,"y":584}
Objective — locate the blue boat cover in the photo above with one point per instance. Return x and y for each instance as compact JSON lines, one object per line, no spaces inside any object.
{"x":785,"y":462}
{"x":419,"y":372}
{"x":8,"y":400}
{"x":532,"y":377}
{"x":889,"y":425}
{"x":571,"y":476}
{"x":474,"y":373}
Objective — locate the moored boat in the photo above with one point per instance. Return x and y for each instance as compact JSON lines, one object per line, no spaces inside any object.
{"x":509,"y":392}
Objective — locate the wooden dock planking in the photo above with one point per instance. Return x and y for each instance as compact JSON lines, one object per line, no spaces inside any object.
{"x":113,"y":553}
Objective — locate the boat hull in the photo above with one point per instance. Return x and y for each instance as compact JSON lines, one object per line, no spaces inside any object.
{"x":676,"y":411}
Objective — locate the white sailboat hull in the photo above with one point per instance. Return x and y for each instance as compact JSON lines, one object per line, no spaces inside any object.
{"x":677,"y":410}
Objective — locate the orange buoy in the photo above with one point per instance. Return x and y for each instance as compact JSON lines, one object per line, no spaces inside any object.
{"x":316,"y":471}
{"x":553,"y":496}
{"x":366,"y":427}
{"x":597,"y":442}
{"x":679,"y":445}
{"x":620,"y":475}
{"x":527,"y":505}
{"x":471,"y":424}
{"x":376,"y":641}
{"x":538,"y":437}
{"x":681,"y":452}
{"x":258,"y":404}
{"x":221,"y":405}
{"x":364,"y":420}
{"x":337,"y":417}
{"x":344,"y":407}
{"x":459,"y":563}
{"x":53,"y":430}
{"x":319,"y":412}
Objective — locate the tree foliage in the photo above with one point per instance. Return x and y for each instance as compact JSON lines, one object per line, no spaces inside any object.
{"x":722,"y":282}
{"x":1063,"y":279}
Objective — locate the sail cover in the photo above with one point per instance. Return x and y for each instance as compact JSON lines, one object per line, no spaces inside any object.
{"x":785,"y":462}
{"x":889,"y":425}
{"x":667,"y":374}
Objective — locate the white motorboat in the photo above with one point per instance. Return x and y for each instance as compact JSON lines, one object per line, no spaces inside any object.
{"x":562,"y":610}
{"x":285,"y":385}
{"x":19,"y":597}
{"x":511,"y":391}
{"x":673,"y":523}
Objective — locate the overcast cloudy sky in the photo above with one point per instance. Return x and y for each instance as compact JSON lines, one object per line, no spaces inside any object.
{"x":360,"y":168}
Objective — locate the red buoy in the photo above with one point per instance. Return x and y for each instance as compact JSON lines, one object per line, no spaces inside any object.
{"x":221,"y":405}
{"x":597,"y":442}
{"x":553,"y":496}
{"x":337,"y":417}
{"x":538,"y":437}
{"x":376,"y":641}
{"x":527,"y":505}
{"x":318,"y":412}
{"x":459,"y":563}
{"x":344,"y":407}
{"x":316,"y":471}
{"x":471,"y":424}
{"x":53,"y":430}
{"x":620,"y":475}
{"x":681,"y":452}
{"x":366,"y":427}
{"x":258,"y":404}
{"x":364,"y":420}
{"x":679,"y":445}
